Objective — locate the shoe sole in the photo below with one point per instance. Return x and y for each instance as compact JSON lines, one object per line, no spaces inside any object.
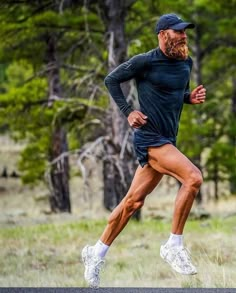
{"x":83,"y":258}
{"x":173,"y":268}
{"x":83,"y":254}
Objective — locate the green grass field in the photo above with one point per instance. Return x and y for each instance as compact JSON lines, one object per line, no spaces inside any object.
{"x":48,"y":255}
{"x":39,"y":249}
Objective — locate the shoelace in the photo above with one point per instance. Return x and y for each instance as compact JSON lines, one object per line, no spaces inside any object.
{"x":98,"y":266}
{"x":184,"y":255}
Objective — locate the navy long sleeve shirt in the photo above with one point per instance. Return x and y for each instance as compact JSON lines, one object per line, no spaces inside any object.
{"x":162,"y":86}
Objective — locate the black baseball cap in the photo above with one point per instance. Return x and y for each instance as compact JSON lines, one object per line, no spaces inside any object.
{"x":172,"y":21}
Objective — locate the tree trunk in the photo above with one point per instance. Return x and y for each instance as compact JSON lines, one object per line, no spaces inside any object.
{"x":216,"y":180}
{"x":119,"y":164}
{"x":198,"y":80}
{"x":59,"y":173}
{"x":233,"y":135}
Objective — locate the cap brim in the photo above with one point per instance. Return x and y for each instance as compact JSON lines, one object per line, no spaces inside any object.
{"x":182,"y":26}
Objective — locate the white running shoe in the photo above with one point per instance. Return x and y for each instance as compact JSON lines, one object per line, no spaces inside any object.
{"x":179,"y":259}
{"x":93,"y":265}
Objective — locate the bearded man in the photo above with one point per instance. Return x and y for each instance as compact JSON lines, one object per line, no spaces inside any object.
{"x":162,"y":78}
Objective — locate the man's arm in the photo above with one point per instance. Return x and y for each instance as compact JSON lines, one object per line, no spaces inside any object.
{"x":124,"y":72}
{"x":187,"y":95}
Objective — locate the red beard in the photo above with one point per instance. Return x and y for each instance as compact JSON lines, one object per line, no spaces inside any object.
{"x":175,"y":48}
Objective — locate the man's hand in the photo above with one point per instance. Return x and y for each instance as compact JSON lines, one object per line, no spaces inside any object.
{"x":137,"y":119}
{"x":198,"y":95}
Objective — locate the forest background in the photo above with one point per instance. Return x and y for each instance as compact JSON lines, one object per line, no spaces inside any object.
{"x":66,"y":150}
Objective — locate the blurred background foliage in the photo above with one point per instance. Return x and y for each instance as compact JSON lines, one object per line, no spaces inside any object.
{"x":54,"y":56}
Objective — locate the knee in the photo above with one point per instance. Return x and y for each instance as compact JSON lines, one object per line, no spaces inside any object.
{"x":132,"y":205}
{"x":195,"y":179}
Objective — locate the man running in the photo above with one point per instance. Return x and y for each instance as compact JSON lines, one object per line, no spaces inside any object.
{"x":162,"y":78}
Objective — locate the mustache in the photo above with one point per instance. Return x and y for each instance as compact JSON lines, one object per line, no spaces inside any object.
{"x":181,"y":42}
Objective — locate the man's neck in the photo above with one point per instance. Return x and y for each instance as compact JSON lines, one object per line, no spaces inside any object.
{"x":162,"y":48}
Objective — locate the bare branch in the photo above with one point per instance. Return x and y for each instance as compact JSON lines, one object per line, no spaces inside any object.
{"x":88,"y":153}
{"x":123,"y":146}
{"x":111,"y":59}
{"x":61,"y":6}
{"x":120,"y":170}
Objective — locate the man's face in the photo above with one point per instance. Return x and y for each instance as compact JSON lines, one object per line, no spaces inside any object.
{"x":175,"y":44}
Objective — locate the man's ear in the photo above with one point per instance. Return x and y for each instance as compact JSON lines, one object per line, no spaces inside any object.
{"x":161,"y":34}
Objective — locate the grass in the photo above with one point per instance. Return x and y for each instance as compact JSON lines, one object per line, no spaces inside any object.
{"x":48,"y":255}
{"x":43,"y":250}
{"x":38,"y":249}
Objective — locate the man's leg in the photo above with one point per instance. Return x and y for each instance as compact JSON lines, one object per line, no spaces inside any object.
{"x":169,"y":160}
{"x":144,"y":181}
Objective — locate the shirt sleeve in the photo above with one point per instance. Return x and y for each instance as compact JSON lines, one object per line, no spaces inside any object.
{"x":187,"y":95}
{"x":187,"y":89}
{"x":124,"y":72}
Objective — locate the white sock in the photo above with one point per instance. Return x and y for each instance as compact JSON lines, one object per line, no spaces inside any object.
{"x":101,"y":249}
{"x":175,"y":240}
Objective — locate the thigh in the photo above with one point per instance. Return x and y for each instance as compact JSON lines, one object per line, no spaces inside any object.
{"x":167,"y":159}
{"x":144,"y":181}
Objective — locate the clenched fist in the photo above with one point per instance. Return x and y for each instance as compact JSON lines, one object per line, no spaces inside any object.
{"x":198,"y":95}
{"x":137,"y":119}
